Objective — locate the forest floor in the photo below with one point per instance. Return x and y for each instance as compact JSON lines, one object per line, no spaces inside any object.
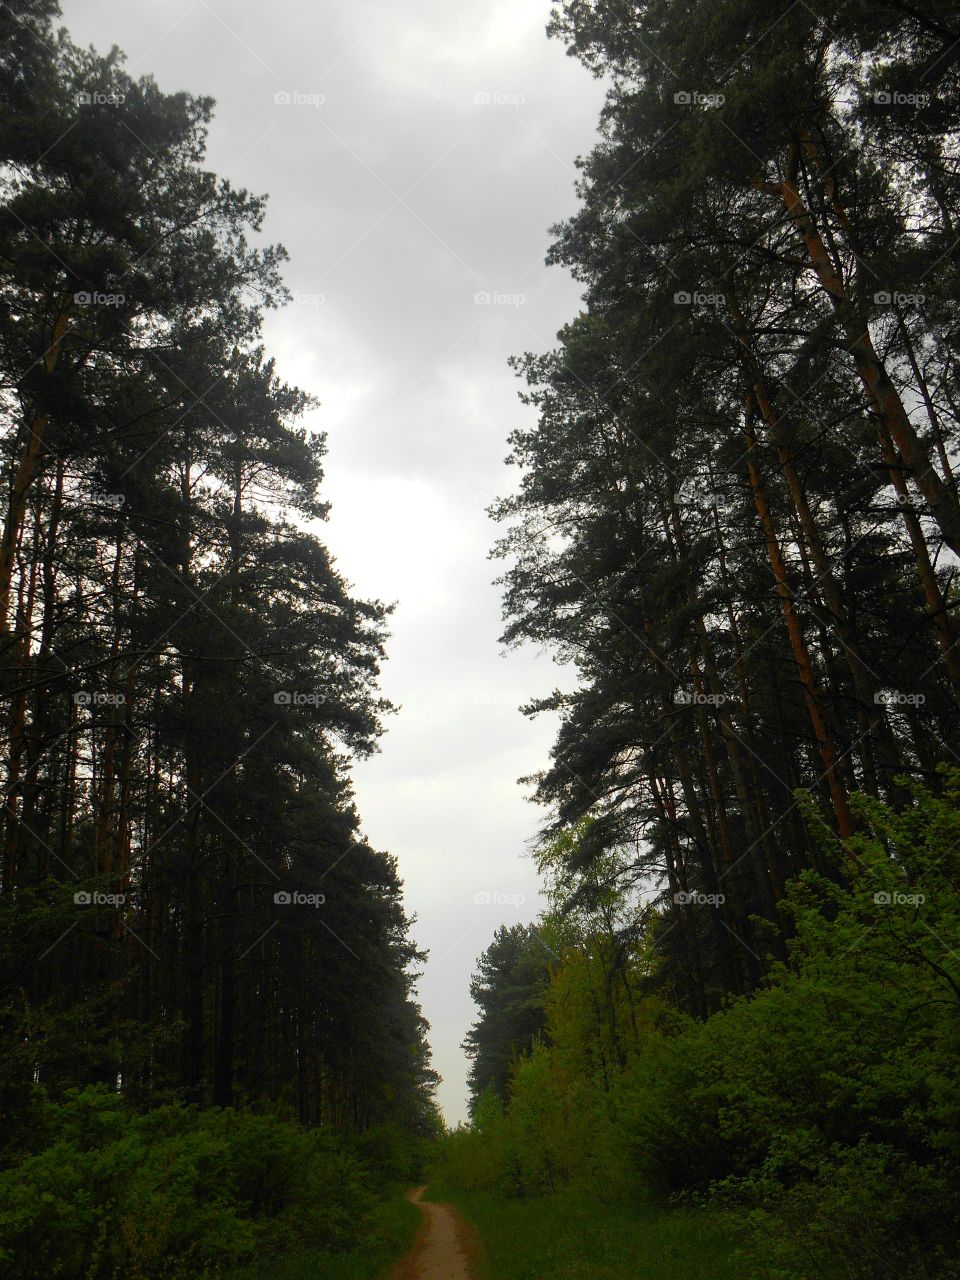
{"x":445,"y":1247}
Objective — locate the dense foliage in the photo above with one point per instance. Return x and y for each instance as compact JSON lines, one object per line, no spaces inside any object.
{"x":188,"y":912}
{"x":182,"y":1193}
{"x":738,"y":522}
{"x":738,"y":511}
{"x":820,"y":1112}
{"x":509,"y":986}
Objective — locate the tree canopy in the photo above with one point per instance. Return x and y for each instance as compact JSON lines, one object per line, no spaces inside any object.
{"x":189,"y":907}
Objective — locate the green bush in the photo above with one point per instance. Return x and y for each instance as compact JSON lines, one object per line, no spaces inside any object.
{"x":174,"y":1193}
{"x":822,"y":1114}
{"x":391,"y":1154}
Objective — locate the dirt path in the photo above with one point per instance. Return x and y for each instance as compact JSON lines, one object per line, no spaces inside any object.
{"x":444,"y":1247}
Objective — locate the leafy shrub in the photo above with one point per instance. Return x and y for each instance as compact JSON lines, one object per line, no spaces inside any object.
{"x":174,"y":1193}
{"x":390,"y":1153}
{"x":822,"y":1112}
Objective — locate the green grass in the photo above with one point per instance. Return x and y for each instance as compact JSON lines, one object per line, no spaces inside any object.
{"x":567,"y":1237}
{"x":387,"y":1237}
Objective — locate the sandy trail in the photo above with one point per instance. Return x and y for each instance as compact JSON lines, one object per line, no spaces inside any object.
{"x":443,"y":1247}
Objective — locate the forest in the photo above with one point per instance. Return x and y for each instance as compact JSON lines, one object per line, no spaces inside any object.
{"x":727,"y":1047}
{"x":736,"y":522}
{"x":191,"y":926}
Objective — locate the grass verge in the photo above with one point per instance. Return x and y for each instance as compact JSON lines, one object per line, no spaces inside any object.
{"x":568,"y":1237}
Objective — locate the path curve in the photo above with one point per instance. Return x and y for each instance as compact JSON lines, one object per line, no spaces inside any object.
{"x":444,"y":1246}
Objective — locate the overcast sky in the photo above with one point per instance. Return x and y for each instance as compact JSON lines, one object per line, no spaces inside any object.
{"x":426,"y":147}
